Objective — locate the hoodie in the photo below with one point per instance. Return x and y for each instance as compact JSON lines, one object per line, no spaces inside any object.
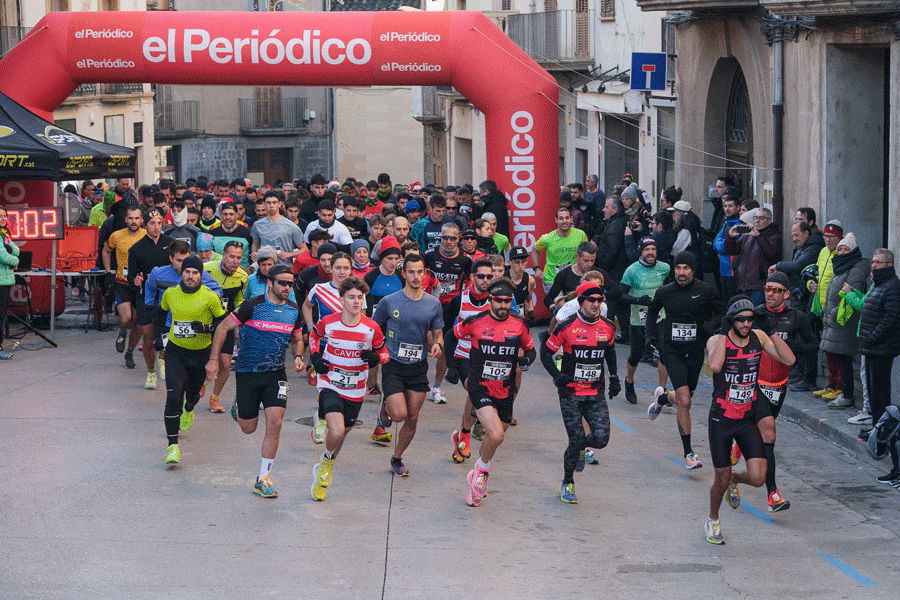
{"x":496,"y":202}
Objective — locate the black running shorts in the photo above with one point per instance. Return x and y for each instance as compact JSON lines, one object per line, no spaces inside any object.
{"x":127,"y":293}
{"x":722,"y":431}
{"x":330,"y":401}
{"x":397,"y":377}
{"x":255,"y":388}
{"x":683,"y":367}
{"x":769,"y":400}
{"x":480,"y":399}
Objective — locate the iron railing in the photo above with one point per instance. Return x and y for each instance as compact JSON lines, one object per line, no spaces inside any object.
{"x":276,"y":116}
{"x":176,"y":119}
{"x":94,"y":89}
{"x":560,"y":35}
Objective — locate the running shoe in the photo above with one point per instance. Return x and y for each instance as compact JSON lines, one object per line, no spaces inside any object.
{"x":654,"y":409}
{"x":398,"y":468}
{"x":383,"y":415}
{"x":203,"y":389}
{"x":319,"y":430}
{"x":888,"y":477}
{"x":311,"y":377}
{"x":692,"y":461}
{"x":735,"y":453}
{"x":234,"y":411}
{"x":832,"y":395}
{"x":437,"y":396}
{"x":461,"y":446}
{"x":567,"y":493}
{"x":589,"y":457}
{"x":863,"y":418}
{"x":381,"y":435}
{"x":478,"y":487}
{"x":733,"y":497}
{"x":120,"y":340}
{"x":822,"y":392}
{"x":714,"y":532}
{"x":777,"y":503}
{"x":214,"y":405}
{"x":374,"y":391}
{"x":478,"y":432}
{"x":579,"y":463}
{"x":841,"y":402}
{"x":174,"y":455}
{"x":513,"y":422}
{"x":187,"y":419}
{"x":161,"y":362}
{"x":129,"y":360}
{"x":264,"y":488}
{"x":322,"y":474}
{"x":630,"y":394}
{"x":150,"y":384}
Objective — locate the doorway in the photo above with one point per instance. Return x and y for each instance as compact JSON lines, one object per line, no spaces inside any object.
{"x":265,"y":165}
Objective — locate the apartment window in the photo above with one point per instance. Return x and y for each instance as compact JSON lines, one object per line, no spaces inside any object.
{"x":505,"y":4}
{"x":668,"y":46}
{"x":607,"y":9}
{"x":581,"y":125}
{"x":67,"y":124}
{"x":109,"y":5}
{"x":139,"y":132}
{"x":114,"y":129}
{"x":58,"y":6}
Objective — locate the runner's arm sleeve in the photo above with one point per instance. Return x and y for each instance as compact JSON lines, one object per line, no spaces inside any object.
{"x":554,"y":290}
{"x":150,"y":289}
{"x":210,"y":282}
{"x":652,"y":314}
{"x":611,"y":288}
{"x":549,"y":348}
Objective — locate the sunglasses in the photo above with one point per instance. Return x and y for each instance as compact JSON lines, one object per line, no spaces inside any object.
{"x":484,"y":276}
{"x":773,"y":289}
{"x":502,"y":299}
{"x":743,"y":319}
{"x":449,"y":238}
{"x":234,"y":244}
{"x":593,"y":299}
{"x":284,"y":282}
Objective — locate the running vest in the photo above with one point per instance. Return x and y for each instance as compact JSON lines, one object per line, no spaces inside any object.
{"x":734,"y":387}
{"x":468,"y":306}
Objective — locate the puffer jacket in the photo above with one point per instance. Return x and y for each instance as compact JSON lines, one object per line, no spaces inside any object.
{"x":9,"y":260}
{"x":879,"y":321}
{"x":842,"y":339}
{"x":804,"y":256}
{"x":826,"y":271}
{"x":757,"y":255}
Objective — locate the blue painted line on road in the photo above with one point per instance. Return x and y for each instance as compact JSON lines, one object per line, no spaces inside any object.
{"x":677,"y":461}
{"x":758,"y":513}
{"x":621,"y":425}
{"x":846,"y":569}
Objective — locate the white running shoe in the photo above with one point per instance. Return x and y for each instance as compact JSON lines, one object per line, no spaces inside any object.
{"x":437,"y":396}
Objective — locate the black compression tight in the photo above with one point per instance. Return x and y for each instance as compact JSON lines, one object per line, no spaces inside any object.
{"x":185,"y":374}
{"x":595,"y":411}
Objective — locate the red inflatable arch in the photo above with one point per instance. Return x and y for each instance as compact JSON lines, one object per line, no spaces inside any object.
{"x":462,"y":49}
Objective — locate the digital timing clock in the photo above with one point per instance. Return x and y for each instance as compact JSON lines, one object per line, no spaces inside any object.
{"x":39,"y":223}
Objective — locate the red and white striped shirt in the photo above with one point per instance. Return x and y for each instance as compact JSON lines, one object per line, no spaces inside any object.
{"x":327,"y":299}
{"x":340,"y":345}
{"x":468,"y":307}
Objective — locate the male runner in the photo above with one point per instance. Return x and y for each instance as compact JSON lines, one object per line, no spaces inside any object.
{"x":383,"y":281}
{"x":583,"y":339}
{"x":794,"y":328}
{"x":692,"y":309}
{"x":524,"y":282}
{"x":231,"y":230}
{"x":195,"y":312}
{"x":495,"y":337}
{"x":472,"y":301}
{"x":146,"y":254}
{"x":127,"y":295}
{"x":734,"y":359}
{"x":271,"y":323}
{"x":233,"y":279}
{"x":452,"y":268}
{"x":413,"y":322}
{"x":560,"y":247}
{"x":343,"y":346}
{"x":639,"y":283}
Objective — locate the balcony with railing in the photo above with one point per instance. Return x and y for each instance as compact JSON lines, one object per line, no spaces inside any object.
{"x":698,"y":5}
{"x":176,"y":119}
{"x":555,"y":39}
{"x":830,"y":8}
{"x":275,"y":116}
{"x":107,"y":89}
{"x":10,"y":36}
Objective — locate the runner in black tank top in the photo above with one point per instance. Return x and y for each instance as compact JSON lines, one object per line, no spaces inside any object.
{"x":518,"y":258}
{"x":734,"y":358}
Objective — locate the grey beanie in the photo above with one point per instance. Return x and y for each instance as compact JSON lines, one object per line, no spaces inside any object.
{"x":357,"y":245}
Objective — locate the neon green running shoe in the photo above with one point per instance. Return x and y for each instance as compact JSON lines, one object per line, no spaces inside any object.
{"x":187,"y":419}
{"x":174,"y":455}
{"x":478,"y":432}
{"x":567,"y":493}
{"x":322,"y":473}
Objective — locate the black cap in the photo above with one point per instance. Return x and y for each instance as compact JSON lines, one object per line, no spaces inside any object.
{"x":517,"y":252}
{"x":467,"y":233}
{"x":192,"y":262}
{"x":327,"y":248}
{"x":685,"y":258}
{"x":780,"y":278}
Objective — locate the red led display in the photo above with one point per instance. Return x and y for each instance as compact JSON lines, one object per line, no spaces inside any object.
{"x":39,"y":223}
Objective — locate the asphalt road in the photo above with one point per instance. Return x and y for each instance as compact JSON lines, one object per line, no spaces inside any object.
{"x":91,"y":511}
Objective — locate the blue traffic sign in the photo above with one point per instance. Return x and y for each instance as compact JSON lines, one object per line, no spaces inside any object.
{"x":648,"y":71}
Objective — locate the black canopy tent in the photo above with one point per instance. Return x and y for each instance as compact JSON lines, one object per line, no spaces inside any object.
{"x":32,"y":148}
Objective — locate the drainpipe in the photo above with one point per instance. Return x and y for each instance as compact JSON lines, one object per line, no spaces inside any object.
{"x":778,"y":134}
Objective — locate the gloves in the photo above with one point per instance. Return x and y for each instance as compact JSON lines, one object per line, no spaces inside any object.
{"x":562,"y":380}
{"x":157,"y":342}
{"x":645,"y":300}
{"x":762,"y":321}
{"x":200,"y":327}
{"x":531,"y":318}
{"x":370,"y":357}
{"x":727,"y":324}
{"x":452,"y":375}
{"x":524,"y":363}
{"x":319,"y":364}
{"x":615,"y":386}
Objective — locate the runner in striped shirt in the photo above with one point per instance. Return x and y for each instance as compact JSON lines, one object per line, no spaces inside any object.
{"x":343,"y":347}
{"x":325,"y":296}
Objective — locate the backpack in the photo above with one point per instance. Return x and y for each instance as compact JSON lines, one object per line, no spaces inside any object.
{"x":885,"y":434}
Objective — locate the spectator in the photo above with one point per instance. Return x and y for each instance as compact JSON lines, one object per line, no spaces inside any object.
{"x":595,"y":198}
{"x":687,"y":229}
{"x":723,"y":183}
{"x":611,"y":255}
{"x":731,"y":205}
{"x":824,"y":271}
{"x":452,"y":211}
{"x":839,"y":333}
{"x":494,"y":201}
{"x":565,"y":200}
{"x":806,"y":252}
{"x":808,"y":215}
{"x":759,"y":249}
{"x":879,"y":332}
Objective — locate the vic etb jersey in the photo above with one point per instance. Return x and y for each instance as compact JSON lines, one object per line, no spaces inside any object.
{"x":266,"y":334}
{"x":340,"y":346}
{"x":494,"y":350}
{"x":584,"y":345}
{"x":451,"y":273}
{"x":734,"y":387}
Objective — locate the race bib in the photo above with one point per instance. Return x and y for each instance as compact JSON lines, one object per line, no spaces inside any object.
{"x":585,"y":373}
{"x":446,"y":288}
{"x":224,"y":303}
{"x":562,"y":266}
{"x":283,"y":388}
{"x":741,"y":394}
{"x":497,"y":371}
{"x":410,"y":351}
{"x":684,"y":332}
{"x":773,"y":394}
{"x":182,"y":329}
{"x":165,"y":339}
{"x":642,"y":313}
{"x":125,"y":272}
{"x":343,"y":378}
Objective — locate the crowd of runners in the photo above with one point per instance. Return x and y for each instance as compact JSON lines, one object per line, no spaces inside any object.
{"x":364,"y":283}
